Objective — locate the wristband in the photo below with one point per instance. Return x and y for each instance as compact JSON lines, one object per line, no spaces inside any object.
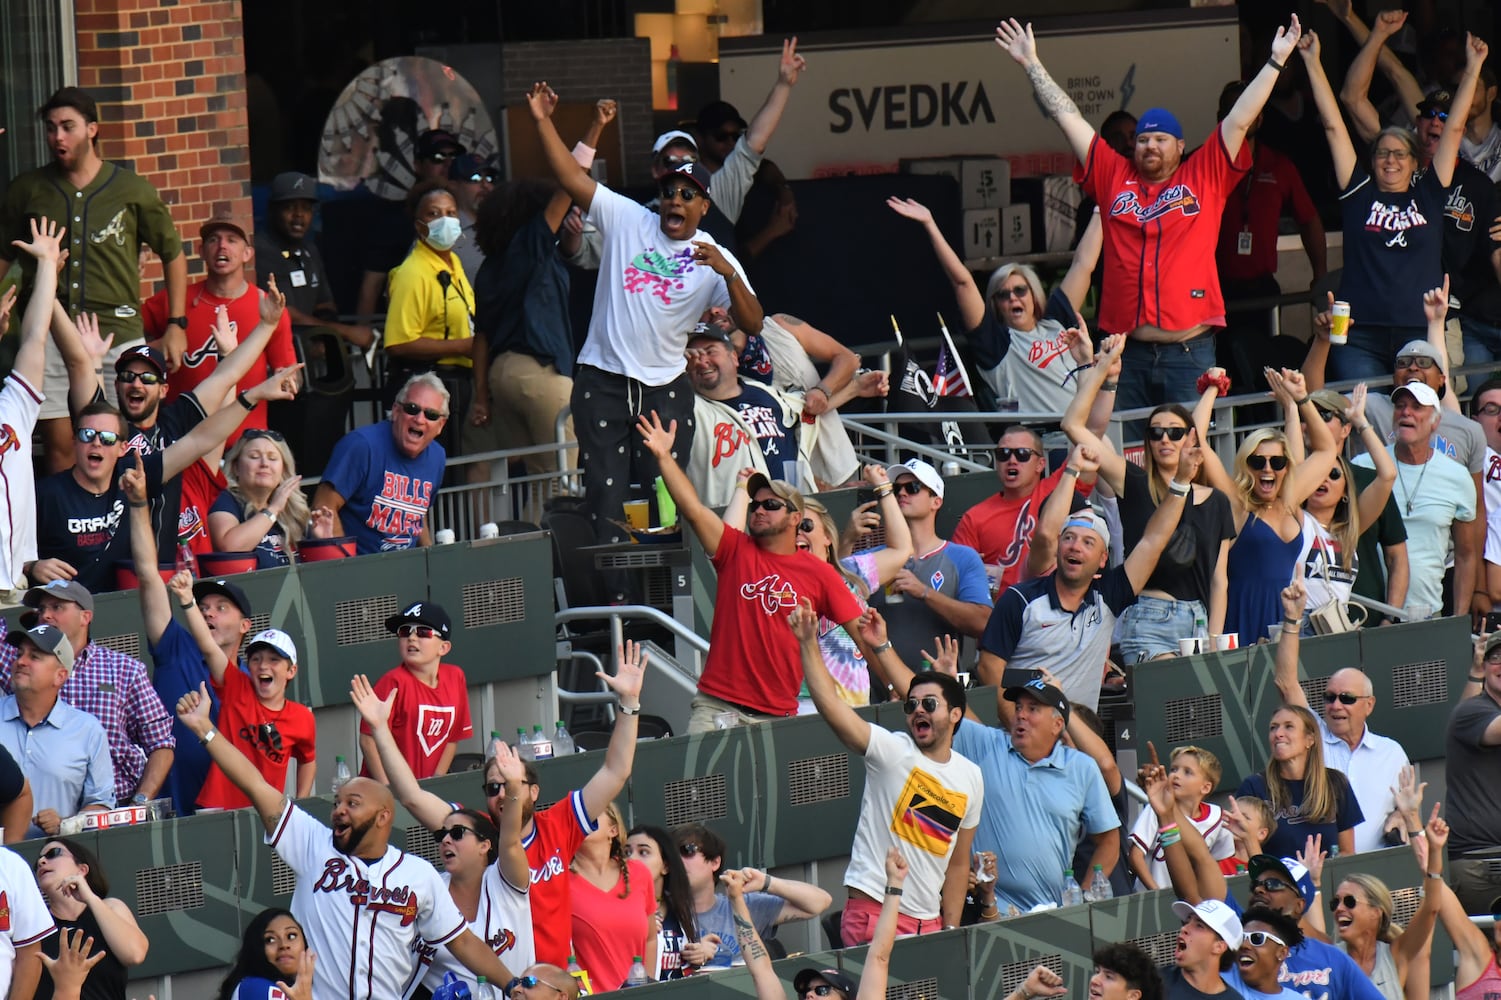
{"x":1362,"y":428}
{"x":820,"y":388}
{"x":1298,"y":622}
{"x":884,"y":490}
{"x":628,"y":711}
{"x":268,"y":513}
{"x":729,"y":279}
{"x":1478,"y":678}
{"x":1434,"y":875}
{"x":143,"y":503}
{"x":1178,"y":489}
{"x":767,"y":886}
{"x":1070,"y":470}
{"x":1170,"y":828}
{"x":186,"y":607}
{"x":893,"y":890}
{"x":1301,"y":402}
{"x":1279,"y":67}
{"x":882,"y":648}
{"x":742,"y":485}
{"x":181,"y":321}
{"x":244,"y":401}
{"x":207,"y":738}
{"x":1220,"y":382}
{"x":1109,"y":386}
{"x":1292,"y":629}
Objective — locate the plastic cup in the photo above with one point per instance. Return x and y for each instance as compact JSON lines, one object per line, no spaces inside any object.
{"x":1339,"y":323}
{"x":638,"y":513}
{"x":489,"y":530}
{"x":443,"y":536}
{"x":1188,"y":647}
{"x":1230,"y":640}
{"x":1273,"y":633}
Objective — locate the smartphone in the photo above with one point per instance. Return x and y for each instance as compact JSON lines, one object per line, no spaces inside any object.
{"x":1492,"y":622}
{"x":1016,"y":677}
{"x":865,"y":495}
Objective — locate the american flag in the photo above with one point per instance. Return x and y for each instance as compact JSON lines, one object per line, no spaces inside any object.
{"x":950,"y":378}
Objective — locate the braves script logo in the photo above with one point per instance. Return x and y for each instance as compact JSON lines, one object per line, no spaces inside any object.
{"x":1493,"y":468}
{"x":400,"y":901}
{"x":4,"y":912}
{"x":551,"y":869}
{"x":772,"y":592}
{"x":728,"y":440}
{"x":1045,"y":351}
{"x":1174,"y":198}
{"x":115,"y":229}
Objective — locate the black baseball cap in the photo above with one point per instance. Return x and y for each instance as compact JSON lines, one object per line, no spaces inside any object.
{"x":1042,"y":691}
{"x":422,"y":613}
{"x":696,"y":173}
{"x":141,"y":352}
{"x":224,"y":588}
{"x":437,"y":141}
{"x":833,"y":977}
{"x":710,"y":331}
{"x":293,"y":186}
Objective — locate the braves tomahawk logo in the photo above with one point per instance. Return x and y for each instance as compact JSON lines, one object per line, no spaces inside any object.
{"x":398,"y":900}
{"x":772,"y":591}
{"x":9,"y":439}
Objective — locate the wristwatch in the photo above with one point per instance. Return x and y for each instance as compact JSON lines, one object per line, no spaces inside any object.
{"x":181,"y":321}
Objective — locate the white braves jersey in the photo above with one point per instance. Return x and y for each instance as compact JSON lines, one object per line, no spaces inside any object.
{"x":362,"y":918}
{"x":503,"y":922}
{"x":24,"y":918}
{"x":19,"y":405}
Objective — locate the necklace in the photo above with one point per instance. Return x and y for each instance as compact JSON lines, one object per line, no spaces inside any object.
{"x":1411,"y":492}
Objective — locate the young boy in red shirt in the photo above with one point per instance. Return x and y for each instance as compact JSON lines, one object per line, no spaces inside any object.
{"x":431,"y":712}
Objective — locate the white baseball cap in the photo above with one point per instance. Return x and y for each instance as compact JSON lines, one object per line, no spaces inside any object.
{"x":1087,"y":518}
{"x":668,"y":138}
{"x":1420,"y":391}
{"x":276,"y":639}
{"x":1220,"y":918}
{"x":925,"y":474}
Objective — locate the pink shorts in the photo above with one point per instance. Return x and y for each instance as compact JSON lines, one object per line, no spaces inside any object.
{"x":858,"y":924}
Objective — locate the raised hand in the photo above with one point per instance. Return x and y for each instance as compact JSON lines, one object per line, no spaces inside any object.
{"x":193,"y":708}
{"x":45,"y":243}
{"x":1312,"y":856}
{"x":1018,"y":42}
{"x":7,"y":303}
{"x":73,"y":962}
{"x":541,"y":101}
{"x":1044,"y":982}
{"x":507,"y":761}
{"x":1408,"y":795}
{"x":1190,"y":459}
{"x":1436,"y":302}
{"x":792,"y":64}
{"x":281,"y":385}
{"x":1475,"y":52}
{"x":303,"y":988}
{"x":896,"y":867}
{"x":181,"y":586}
{"x":628,"y":677}
{"x":1356,"y":412}
{"x":272,"y":303}
{"x":711,"y":255}
{"x":376,"y":711}
{"x":1080,"y":348}
{"x":1389,"y":22}
{"x":657,"y":439}
{"x":1437,"y":831}
{"x":605,"y":110}
{"x":734,"y":883}
{"x":1085,"y":459}
{"x":1296,"y":384}
{"x":1294,"y":599}
{"x":804,"y":622}
{"x":133,"y":481}
{"x":946,"y":660}
{"x":909,"y":208}
{"x":323,"y":523}
{"x":223,"y":332}
{"x":94,"y":346}
{"x":1308,"y":48}
{"x":1286,"y":40}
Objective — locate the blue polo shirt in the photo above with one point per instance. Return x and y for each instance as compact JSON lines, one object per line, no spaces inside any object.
{"x":66,"y":757}
{"x":1035,"y":813}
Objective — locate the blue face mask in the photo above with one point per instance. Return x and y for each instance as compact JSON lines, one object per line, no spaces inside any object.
{"x":443,"y":233}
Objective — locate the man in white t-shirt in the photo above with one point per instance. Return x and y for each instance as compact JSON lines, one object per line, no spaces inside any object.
{"x":362,"y":903}
{"x":658,"y":272}
{"x":920,"y":797}
{"x":25,"y":924}
{"x":1485,"y":410}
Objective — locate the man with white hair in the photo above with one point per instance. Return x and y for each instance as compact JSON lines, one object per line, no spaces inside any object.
{"x":1436,"y":496}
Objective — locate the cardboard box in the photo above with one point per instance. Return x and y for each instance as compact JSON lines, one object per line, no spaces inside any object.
{"x":985,"y":182}
{"x":1016,"y":230}
{"x":128,"y":816}
{"x":982,"y":233}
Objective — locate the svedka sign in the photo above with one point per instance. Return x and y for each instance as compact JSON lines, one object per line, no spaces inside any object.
{"x":916,"y":105}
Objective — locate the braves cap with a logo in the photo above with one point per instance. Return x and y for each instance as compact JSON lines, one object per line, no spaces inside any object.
{"x":224,"y":588}
{"x":293,"y":186}
{"x":1292,"y":871}
{"x":274,"y":639}
{"x":1040,"y":690}
{"x":140,"y":352}
{"x":923,"y":471}
{"x":62,"y":590}
{"x":47,"y":638}
{"x":422,"y":613}
{"x":697,"y":173}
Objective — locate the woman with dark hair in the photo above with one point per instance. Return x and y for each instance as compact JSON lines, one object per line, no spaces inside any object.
{"x":270,"y":952}
{"x":1308,"y":798}
{"x":614,"y":906}
{"x":655,"y":849}
{"x":77,"y":894}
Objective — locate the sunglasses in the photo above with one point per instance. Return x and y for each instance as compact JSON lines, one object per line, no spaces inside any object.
{"x":1259,"y":939}
{"x":1438,"y":113}
{"x":455,"y":833}
{"x":1335,"y":474}
{"x":806,"y":525}
{"x":1489,"y":410}
{"x":1016,"y":292}
{"x":682,"y":192}
{"x":1170,"y":433}
{"x":440,"y":157}
{"x":689,"y":850}
{"x":1337,"y":414}
{"x":412,"y":409}
{"x":1343,"y":697}
{"x":1259,"y":462}
{"x":531,"y":983}
{"x":52,"y":854}
{"x":929,"y":703}
{"x":821,"y":990}
{"x":911,"y":487}
{"x":773,"y":504}
{"x":263,"y":432}
{"x":1022,"y":454}
{"x":1416,"y":361}
{"x":1273,"y":885}
{"x":420,"y":631}
{"x":145,"y":378}
{"x":1348,"y":902}
{"x":87,"y":435}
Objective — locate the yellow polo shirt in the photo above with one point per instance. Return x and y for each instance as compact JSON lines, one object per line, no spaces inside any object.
{"x":421,"y":307}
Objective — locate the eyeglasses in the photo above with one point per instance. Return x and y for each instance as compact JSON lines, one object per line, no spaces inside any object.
{"x":806,"y":525}
{"x":420,"y":631}
{"x":1348,"y":902}
{"x":1335,"y":474}
{"x":682,"y":192}
{"x":1343,"y":697}
{"x":1259,"y":939}
{"x":145,"y":378}
{"x":1438,"y":113}
{"x":531,"y":983}
{"x":52,"y":854}
{"x":1015,"y":292}
{"x":1391,"y":154}
{"x":929,"y":703}
{"x":911,"y":487}
{"x":263,"y":432}
{"x":1489,"y":410}
{"x":412,"y":409}
{"x":1416,"y":361}
{"x":1022,"y":454}
{"x":772,"y":504}
{"x":1259,"y":462}
{"x":87,"y":435}
{"x":1272,"y":885}
{"x":688,"y":850}
{"x":1170,"y":433}
{"x":728,"y":135}
{"x":456,"y":833}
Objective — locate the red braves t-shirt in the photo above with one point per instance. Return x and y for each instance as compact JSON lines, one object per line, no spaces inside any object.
{"x":754,"y":658}
{"x":201,"y":486}
{"x":425,"y":719}
{"x":247,"y":723}
{"x":1001,"y":529}
{"x":557,"y":832}
{"x":1160,"y":238}
{"x":202,"y":354}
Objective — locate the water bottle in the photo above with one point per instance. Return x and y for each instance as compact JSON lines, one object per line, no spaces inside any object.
{"x":185,"y":558}
{"x":1072,"y":894}
{"x":562,"y":741}
{"x":579,"y":976}
{"x":637,"y":975}
{"x":483,"y":990}
{"x":1201,"y":628}
{"x":524,"y":744}
{"x":1099,"y":886}
{"x":341,"y":774}
{"x":541,"y":748}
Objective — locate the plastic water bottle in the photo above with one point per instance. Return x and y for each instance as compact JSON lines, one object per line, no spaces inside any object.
{"x":1201,"y":626}
{"x":541,"y":748}
{"x":341,"y":774}
{"x":185,"y":558}
{"x":1072,"y":894}
{"x":579,"y":975}
{"x":1099,"y":886}
{"x":483,"y":990}
{"x":637,"y":976}
{"x":562,"y":740}
{"x":524,"y":744}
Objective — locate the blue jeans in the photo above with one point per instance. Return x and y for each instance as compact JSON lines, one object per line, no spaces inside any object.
{"x":1153,"y":374}
{"x":1482,"y":339}
{"x":1371,"y":351}
{"x":1152,"y":626}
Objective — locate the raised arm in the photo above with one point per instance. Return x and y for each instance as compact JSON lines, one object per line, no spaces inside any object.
{"x":745,"y":308}
{"x":758,"y":133}
{"x":1248,"y":107}
{"x":853,"y":731}
{"x":891,"y":559}
{"x":1309,"y":475}
{"x":427,"y":808}
{"x":1042,"y":556}
{"x":843,"y":363}
{"x":1076,"y":419}
{"x":1285,"y":672}
{"x":156,"y":611}
{"x":192,"y":711}
{"x":1020,"y":45}
{"x":511,"y":856}
{"x":45,"y":246}
{"x":1214,"y":469}
{"x":1341,"y":150}
{"x":1436,"y":311}
{"x":212,"y":431}
{"x":659,"y":440}
{"x":1417,"y":937}
{"x":540,"y":101}
{"x":237,"y":364}
{"x":612,"y":775}
{"x":1142,"y":560}
{"x":877,"y":968}
{"x":1472,"y":944}
{"x":971,"y":301}
{"x":1447,"y":153}
{"x":1374,"y":497}
{"x":1355,"y":94}
{"x":752,"y":948}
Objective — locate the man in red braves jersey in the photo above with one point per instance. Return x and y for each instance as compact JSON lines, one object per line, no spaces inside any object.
{"x":550,"y":836}
{"x":361,"y":902}
{"x":754,"y":668}
{"x":1162,"y":221}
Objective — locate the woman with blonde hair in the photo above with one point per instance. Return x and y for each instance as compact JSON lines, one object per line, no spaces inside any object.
{"x":263,"y":509}
{"x":1266,"y":498}
{"x":1309,"y":798}
{"x":614,"y":906}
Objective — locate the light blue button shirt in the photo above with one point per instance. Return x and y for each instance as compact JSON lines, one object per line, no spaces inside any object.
{"x":65,"y":757}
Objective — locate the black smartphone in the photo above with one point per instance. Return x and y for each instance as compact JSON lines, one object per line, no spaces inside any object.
{"x":1016,"y":677}
{"x":865,"y":495}
{"x":1492,"y":621}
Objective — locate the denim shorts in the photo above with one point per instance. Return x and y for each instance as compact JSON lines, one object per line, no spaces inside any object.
{"x":1152,"y":626}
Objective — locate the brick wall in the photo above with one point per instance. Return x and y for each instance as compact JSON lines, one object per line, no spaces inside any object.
{"x":169,"y":76}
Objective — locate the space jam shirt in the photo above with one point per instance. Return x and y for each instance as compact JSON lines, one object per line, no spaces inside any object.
{"x":754,"y":659}
{"x":1393,"y":248}
{"x":651,"y":292}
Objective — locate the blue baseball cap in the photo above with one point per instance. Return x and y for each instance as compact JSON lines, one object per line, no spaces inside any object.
{"x":1159,"y":120}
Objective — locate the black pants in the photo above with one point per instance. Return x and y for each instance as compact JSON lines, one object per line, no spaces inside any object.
{"x":611,"y":455}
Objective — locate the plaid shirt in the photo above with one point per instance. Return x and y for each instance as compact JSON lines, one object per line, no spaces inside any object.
{"x":113,"y":688}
